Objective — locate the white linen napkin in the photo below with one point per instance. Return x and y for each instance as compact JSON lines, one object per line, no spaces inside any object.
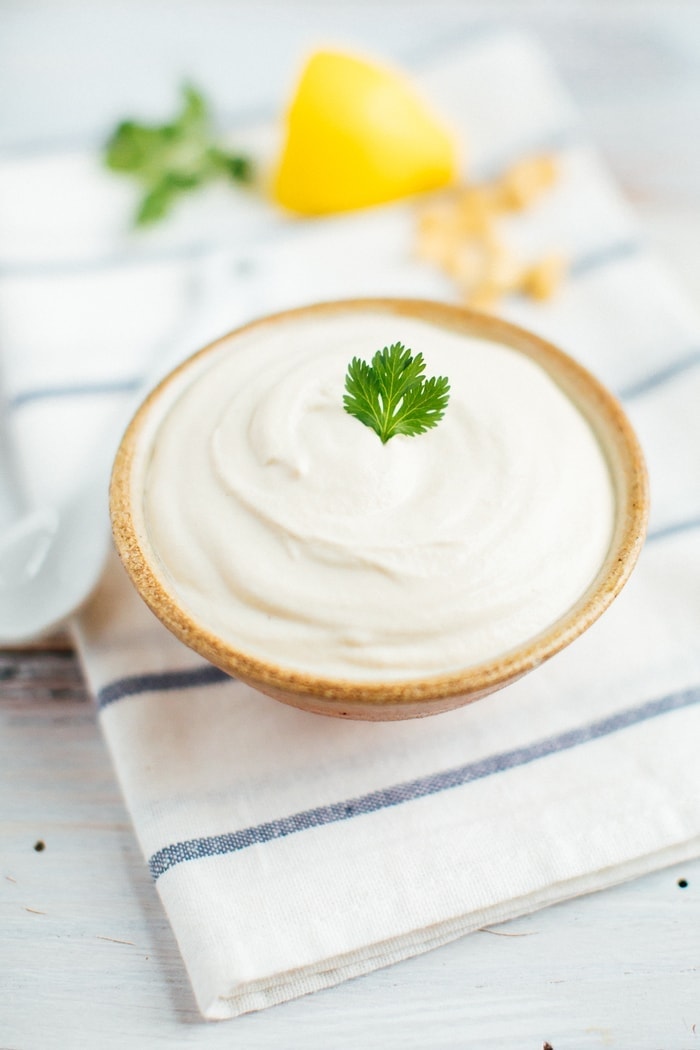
{"x":293,"y":851}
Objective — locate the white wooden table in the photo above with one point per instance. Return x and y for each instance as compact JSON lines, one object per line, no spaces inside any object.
{"x":86,"y":956}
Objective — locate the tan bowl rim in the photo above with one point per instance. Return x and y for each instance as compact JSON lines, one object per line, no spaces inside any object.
{"x":628,"y":538}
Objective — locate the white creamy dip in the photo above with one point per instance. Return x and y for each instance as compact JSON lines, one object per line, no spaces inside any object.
{"x":284,"y":526}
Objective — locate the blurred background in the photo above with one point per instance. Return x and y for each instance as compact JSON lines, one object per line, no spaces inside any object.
{"x":69,"y":69}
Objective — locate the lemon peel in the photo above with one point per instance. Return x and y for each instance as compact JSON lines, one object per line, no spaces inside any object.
{"x":358,"y":134}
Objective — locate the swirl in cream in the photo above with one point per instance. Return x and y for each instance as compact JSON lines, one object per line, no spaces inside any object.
{"x":285,"y":527}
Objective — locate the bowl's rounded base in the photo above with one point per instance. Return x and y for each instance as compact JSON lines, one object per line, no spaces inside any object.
{"x":368,"y":708}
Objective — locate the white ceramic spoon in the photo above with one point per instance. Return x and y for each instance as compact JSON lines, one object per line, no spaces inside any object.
{"x":51,"y":558}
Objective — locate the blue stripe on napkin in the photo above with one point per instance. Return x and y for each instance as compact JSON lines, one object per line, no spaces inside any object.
{"x":234,"y":841}
{"x":601,"y":257}
{"x":673,"y":529}
{"x":163,"y":681}
{"x":686,"y":363}
{"x":110,"y":386}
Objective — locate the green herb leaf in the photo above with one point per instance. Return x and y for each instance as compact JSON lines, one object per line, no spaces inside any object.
{"x":392,"y":395}
{"x":172,"y":159}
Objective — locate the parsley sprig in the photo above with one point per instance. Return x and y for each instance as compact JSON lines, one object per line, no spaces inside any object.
{"x":392,"y":395}
{"x":172,"y":159}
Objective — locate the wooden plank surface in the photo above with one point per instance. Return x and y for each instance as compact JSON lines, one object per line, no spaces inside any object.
{"x":87,"y":958}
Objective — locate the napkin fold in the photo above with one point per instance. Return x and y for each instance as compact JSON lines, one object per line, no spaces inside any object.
{"x":293,"y":851}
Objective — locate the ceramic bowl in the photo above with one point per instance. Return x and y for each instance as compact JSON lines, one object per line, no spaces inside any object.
{"x":391,"y":699}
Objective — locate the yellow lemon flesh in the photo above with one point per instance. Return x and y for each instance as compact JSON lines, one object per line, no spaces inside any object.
{"x":357,"y":135}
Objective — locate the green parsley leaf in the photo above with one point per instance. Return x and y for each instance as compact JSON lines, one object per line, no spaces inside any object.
{"x":392,"y":395}
{"x":172,"y":159}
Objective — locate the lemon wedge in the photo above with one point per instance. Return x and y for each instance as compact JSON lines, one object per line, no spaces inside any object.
{"x":358,"y":134}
